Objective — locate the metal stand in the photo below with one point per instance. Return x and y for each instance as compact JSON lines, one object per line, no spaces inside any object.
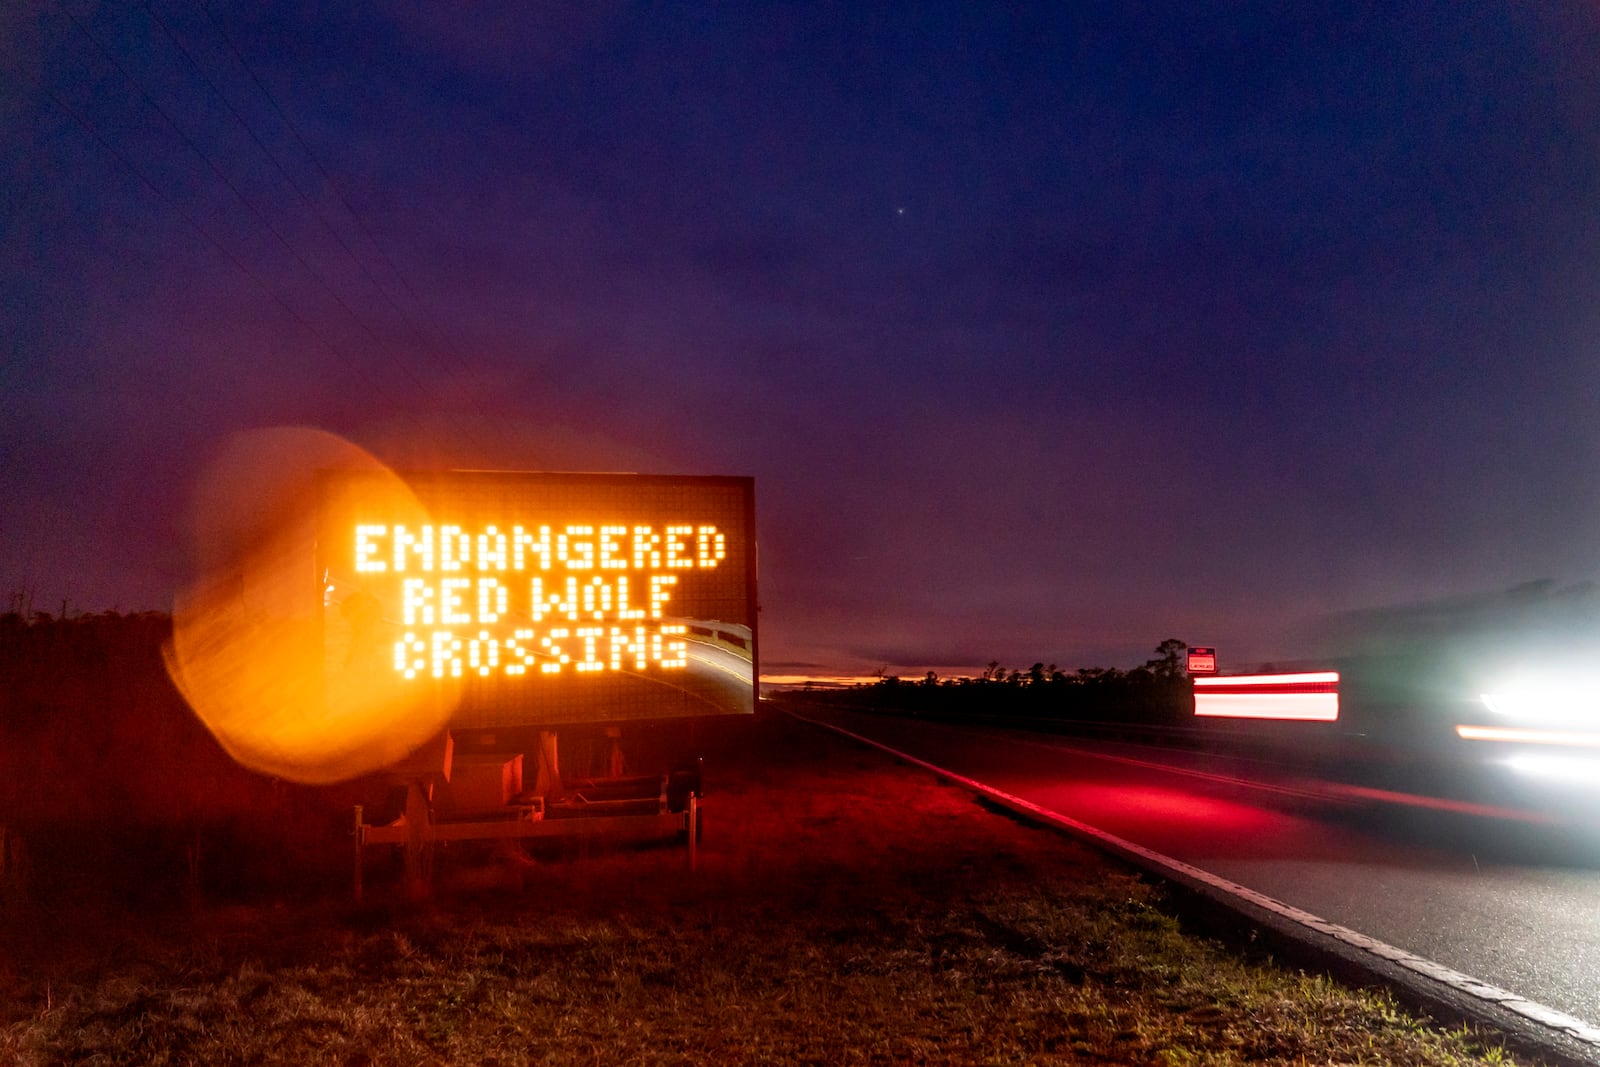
{"x":553,"y":808}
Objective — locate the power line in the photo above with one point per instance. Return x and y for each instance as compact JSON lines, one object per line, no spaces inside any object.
{"x":220,"y":173}
{"x":306,"y":148}
{"x":261,"y":217}
{"x":195,"y":224}
{"x":449,"y":351}
{"x":305,"y":198}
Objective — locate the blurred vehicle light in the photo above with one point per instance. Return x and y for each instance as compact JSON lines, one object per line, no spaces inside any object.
{"x":1522,"y":736}
{"x":1563,"y":703}
{"x":1307,"y":696}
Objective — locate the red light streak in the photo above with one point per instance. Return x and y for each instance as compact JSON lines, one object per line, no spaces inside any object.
{"x":1305,"y":697}
{"x":1282,"y":683}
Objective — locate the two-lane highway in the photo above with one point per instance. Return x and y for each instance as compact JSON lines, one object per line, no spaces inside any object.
{"x":1514,"y":900}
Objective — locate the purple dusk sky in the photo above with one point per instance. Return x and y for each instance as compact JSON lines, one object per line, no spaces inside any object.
{"x":1047,"y":331}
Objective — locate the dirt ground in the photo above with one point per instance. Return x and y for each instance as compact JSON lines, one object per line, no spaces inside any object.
{"x":845,"y":909}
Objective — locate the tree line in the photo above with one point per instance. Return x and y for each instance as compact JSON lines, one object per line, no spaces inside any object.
{"x":1158,"y":691}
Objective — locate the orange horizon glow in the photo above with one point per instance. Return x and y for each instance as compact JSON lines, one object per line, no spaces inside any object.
{"x":819,"y":679}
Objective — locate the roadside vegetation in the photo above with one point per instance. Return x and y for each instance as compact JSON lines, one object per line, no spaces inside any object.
{"x":845,"y":909}
{"x":1155,"y":693}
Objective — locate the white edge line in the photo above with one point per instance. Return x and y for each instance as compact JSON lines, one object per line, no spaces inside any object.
{"x":1465,"y":983}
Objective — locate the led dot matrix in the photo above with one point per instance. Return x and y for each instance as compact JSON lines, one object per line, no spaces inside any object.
{"x":584,"y":594}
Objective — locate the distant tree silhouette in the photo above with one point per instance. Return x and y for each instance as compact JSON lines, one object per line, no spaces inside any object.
{"x":1156,"y":692}
{"x":1170,"y":659}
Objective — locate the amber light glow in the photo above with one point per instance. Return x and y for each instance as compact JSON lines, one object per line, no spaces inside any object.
{"x":1308,"y":697}
{"x":532,"y":598}
{"x":247,"y":649}
{"x":512,"y":601}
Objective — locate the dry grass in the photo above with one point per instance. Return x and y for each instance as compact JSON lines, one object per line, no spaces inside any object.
{"x":846,"y":910}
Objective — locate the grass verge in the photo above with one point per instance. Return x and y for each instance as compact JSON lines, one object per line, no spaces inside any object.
{"x":847,"y":910}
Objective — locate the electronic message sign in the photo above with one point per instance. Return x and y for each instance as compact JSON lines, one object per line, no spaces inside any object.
{"x":545,"y":599}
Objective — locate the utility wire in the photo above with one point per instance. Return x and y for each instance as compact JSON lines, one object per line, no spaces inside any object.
{"x":306,"y":148}
{"x":211,"y":239}
{"x":259,"y":215}
{"x":305,"y":198}
{"x":222,"y":175}
{"x":449,"y":351}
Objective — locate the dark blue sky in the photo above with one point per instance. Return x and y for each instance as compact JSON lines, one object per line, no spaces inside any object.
{"x":1046,"y":333}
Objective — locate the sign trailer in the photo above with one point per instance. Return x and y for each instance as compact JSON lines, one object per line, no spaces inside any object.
{"x":534,"y":604}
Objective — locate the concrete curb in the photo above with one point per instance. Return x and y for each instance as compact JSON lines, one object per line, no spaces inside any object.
{"x":1436,"y":988}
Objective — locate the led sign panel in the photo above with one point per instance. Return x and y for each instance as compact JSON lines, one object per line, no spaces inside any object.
{"x":1201,"y":661}
{"x":546,"y":599}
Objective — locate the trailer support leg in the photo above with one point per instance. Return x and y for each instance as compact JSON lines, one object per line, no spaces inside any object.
{"x":358,"y":870}
{"x":614,"y":761}
{"x":693,"y":811}
{"x":547,"y":780}
{"x":418,"y":874}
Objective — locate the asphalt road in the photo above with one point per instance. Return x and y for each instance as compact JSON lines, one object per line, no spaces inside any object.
{"x":1513,"y":900}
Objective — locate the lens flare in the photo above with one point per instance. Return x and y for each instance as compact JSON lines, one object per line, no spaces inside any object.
{"x":247,"y":649}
